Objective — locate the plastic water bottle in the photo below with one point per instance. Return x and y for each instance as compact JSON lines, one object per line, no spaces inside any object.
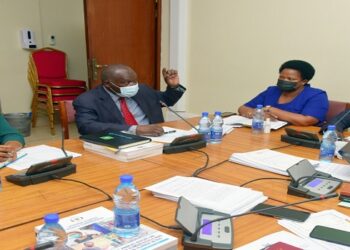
{"x":216,"y":128}
{"x":126,"y":208}
{"x":52,"y":231}
{"x":204,"y":126}
{"x":258,"y":120}
{"x":328,"y":144}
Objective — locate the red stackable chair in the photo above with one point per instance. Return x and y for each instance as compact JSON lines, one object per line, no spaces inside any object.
{"x":47,"y":75}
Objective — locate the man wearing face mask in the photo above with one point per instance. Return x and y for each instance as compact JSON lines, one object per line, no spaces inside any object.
{"x":292,"y":99}
{"x":120,"y":103}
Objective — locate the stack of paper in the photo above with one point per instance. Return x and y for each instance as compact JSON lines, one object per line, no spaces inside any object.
{"x":171,"y":133}
{"x":266,"y":159}
{"x":278,"y":163}
{"x":240,"y":120}
{"x":94,"y":229}
{"x":126,"y":154}
{"x":33,"y":155}
{"x":220,"y":197}
{"x":327,"y":218}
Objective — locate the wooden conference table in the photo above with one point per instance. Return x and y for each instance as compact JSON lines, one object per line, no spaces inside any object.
{"x":22,"y":208}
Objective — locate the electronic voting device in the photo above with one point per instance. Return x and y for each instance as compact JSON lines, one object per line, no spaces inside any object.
{"x":307,"y":182}
{"x":216,"y":235}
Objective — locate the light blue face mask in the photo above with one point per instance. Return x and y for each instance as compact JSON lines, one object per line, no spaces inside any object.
{"x":127,"y":92}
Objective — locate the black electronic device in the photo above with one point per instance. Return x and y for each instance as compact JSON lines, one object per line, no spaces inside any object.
{"x":331,"y":235}
{"x":45,"y":171}
{"x":183,"y":143}
{"x":307,"y":182}
{"x":301,"y":138}
{"x":216,"y":235}
{"x":281,"y":212}
{"x":345,"y":152}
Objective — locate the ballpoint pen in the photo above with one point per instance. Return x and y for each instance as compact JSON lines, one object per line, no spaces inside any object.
{"x":18,"y":158}
{"x":170,"y":131}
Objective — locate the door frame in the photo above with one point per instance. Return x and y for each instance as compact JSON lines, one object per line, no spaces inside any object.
{"x":158,"y":34}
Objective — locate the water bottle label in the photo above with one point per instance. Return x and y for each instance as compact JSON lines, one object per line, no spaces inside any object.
{"x":259,"y":125}
{"x":206,"y":135}
{"x":127,"y":221}
{"x":216,"y":135}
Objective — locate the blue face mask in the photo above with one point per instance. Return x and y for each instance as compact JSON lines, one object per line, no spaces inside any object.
{"x":128,"y":91}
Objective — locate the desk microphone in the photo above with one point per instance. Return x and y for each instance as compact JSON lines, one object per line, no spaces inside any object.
{"x":183,"y":143}
{"x":45,"y":171}
{"x":178,"y":115}
{"x":321,"y":197}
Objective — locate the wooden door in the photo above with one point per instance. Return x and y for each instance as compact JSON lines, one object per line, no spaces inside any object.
{"x":125,"y":32}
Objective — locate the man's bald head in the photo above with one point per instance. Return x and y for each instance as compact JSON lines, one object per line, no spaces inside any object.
{"x":118,"y":74}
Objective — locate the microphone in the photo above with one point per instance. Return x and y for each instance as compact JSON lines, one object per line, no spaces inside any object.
{"x":62,"y":142}
{"x":177,"y":114}
{"x":321,"y":197}
{"x":45,"y":171}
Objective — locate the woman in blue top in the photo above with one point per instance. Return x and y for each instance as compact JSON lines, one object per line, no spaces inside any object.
{"x":293,"y":99}
{"x":10,"y":141}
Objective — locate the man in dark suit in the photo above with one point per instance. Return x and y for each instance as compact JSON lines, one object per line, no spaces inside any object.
{"x":120,"y":103}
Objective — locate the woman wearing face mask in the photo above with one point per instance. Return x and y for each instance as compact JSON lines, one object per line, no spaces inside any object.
{"x":120,"y":103}
{"x":292,"y":99}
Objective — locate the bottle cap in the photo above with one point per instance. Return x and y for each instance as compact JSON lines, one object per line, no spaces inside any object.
{"x":126,"y":178}
{"x":331,"y":127}
{"x":51,"y":218}
{"x":217,"y":113}
{"x":259,"y":106}
{"x":205,"y":114}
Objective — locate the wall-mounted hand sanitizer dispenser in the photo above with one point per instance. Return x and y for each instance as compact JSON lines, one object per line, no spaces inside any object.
{"x":28,"y":39}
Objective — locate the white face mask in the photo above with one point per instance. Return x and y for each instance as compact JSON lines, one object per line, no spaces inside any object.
{"x":128,"y":91}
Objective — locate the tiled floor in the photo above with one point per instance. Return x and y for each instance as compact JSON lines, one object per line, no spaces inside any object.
{"x":41,"y":134}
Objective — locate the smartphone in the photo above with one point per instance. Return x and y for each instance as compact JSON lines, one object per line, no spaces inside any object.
{"x":331,"y":235}
{"x":282,"y":213}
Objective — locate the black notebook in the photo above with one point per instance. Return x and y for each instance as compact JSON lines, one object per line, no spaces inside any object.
{"x":117,"y":140}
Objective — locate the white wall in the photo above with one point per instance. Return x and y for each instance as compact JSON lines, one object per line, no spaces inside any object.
{"x":236,"y":47}
{"x":64,"y":18}
{"x":15,"y":91}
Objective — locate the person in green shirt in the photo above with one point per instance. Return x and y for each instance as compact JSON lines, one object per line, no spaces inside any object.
{"x":10,"y":141}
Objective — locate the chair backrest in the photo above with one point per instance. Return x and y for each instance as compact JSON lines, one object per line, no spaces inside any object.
{"x":67,"y":115}
{"x":50,"y":63}
{"x":336,"y":107}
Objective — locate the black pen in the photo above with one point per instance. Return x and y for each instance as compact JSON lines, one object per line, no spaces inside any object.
{"x":170,"y":131}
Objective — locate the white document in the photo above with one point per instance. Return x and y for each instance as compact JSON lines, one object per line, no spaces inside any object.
{"x":328,"y":218}
{"x":281,"y":236}
{"x":171,"y":133}
{"x":276,"y":162}
{"x":96,"y":227}
{"x":38,"y":154}
{"x":221,"y":197}
{"x":266,"y":159}
{"x":237,"y":119}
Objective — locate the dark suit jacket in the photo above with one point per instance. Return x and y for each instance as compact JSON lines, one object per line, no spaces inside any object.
{"x":96,"y":111}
